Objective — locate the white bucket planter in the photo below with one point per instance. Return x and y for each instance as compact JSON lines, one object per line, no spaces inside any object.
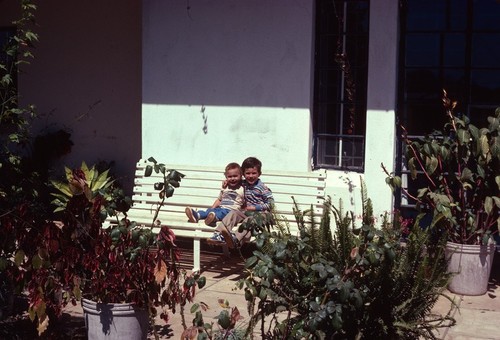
{"x":471,"y":266}
{"x":115,"y":321}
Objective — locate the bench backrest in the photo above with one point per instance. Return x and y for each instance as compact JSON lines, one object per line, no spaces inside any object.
{"x":200,"y":187}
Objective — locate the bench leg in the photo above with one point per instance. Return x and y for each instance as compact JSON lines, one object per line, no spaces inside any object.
{"x":196,"y":254}
{"x":225,"y":249}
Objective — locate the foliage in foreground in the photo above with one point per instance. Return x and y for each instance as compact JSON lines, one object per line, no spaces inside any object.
{"x":359,"y":283}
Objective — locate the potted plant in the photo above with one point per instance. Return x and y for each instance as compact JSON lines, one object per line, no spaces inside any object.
{"x":122,"y":273}
{"x":459,"y":165}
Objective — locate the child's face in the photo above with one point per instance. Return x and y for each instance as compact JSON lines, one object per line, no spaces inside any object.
{"x":233,"y":177}
{"x":251,"y":175}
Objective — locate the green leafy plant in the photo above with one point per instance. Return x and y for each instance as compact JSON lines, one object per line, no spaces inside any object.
{"x":226,"y":327}
{"x":459,"y":168}
{"x":360,"y":283}
{"x":19,"y":184}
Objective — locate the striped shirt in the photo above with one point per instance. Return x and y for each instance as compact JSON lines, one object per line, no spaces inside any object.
{"x":232,"y":199}
{"x":258,"y":195}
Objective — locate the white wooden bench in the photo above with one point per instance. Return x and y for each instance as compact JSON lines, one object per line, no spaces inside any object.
{"x":200,"y":187}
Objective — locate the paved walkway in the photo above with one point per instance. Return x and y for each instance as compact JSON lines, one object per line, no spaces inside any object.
{"x":478,"y":317}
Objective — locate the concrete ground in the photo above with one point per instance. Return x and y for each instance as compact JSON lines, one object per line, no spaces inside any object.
{"x":477,"y":317}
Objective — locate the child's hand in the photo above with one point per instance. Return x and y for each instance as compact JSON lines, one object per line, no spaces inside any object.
{"x":224,"y":184}
{"x":250,"y":208}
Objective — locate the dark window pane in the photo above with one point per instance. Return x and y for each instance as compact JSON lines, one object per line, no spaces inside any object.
{"x":454,"y":82}
{"x":422,"y":84}
{"x":426,"y":15}
{"x":424,"y":116}
{"x":357,"y":49}
{"x":458,"y":15}
{"x":422,"y":49}
{"x":328,"y":120}
{"x":454,"y":50}
{"x":485,"y":86}
{"x":357,"y":17}
{"x":486,"y":49}
{"x":329,"y":86}
{"x":326,"y":51}
{"x":486,"y":15}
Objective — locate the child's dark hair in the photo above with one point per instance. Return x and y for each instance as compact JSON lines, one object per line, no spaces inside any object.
{"x":231,"y":166}
{"x":251,"y":162}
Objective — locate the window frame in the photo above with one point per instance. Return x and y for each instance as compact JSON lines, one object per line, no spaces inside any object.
{"x":339,"y":106}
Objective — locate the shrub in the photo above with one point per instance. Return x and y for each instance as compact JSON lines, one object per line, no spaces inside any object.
{"x":359,"y":283}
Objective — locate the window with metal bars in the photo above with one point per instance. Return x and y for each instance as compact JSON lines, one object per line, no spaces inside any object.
{"x":340,"y":83}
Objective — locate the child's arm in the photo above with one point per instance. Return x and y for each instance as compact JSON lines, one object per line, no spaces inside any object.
{"x":218,"y":200}
{"x":216,"y":203}
{"x":265,"y":198}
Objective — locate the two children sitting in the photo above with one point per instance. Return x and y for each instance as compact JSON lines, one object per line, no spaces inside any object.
{"x":237,"y":200}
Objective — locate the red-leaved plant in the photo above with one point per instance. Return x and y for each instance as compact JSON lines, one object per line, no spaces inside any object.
{"x":76,"y":257}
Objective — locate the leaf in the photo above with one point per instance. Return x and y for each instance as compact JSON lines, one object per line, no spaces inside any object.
{"x":77,"y":292}
{"x":488,"y":205}
{"x":19,"y":257}
{"x":62,"y":187}
{"x":223,"y":319}
{"x":431,"y":164}
{"x":7,"y":79}
{"x":497,"y":201}
{"x":485,"y":147}
{"x":466,"y":175}
{"x":160,"y":272}
{"x":235,"y":316}
{"x":31,"y":36}
{"x":194,"y":307}
{"x":43,"y":323}
{"x":190,"y":333}
{"x":36,"y":262}
{"x":101,"y":181}
{"x":413,"y":169}
{"x":176,"y":176}
{"x":474,"y":131}
{"x":223,"y":303}
{"x":169,"y":192}
{"x":444,"y":152}
{"x":202,"y":281}
{"x":463,"y":136}
{"x":148,"y":171}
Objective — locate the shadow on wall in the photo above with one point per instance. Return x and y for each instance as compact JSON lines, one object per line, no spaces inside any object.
{"x":222,"y":54}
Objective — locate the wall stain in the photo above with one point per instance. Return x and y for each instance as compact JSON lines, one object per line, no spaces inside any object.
{"x":205,"y":119}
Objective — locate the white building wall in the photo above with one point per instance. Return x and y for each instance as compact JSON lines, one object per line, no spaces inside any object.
{"x":247,"y":63}
{"x":381,"y":101}
{"x":224,"y":80}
